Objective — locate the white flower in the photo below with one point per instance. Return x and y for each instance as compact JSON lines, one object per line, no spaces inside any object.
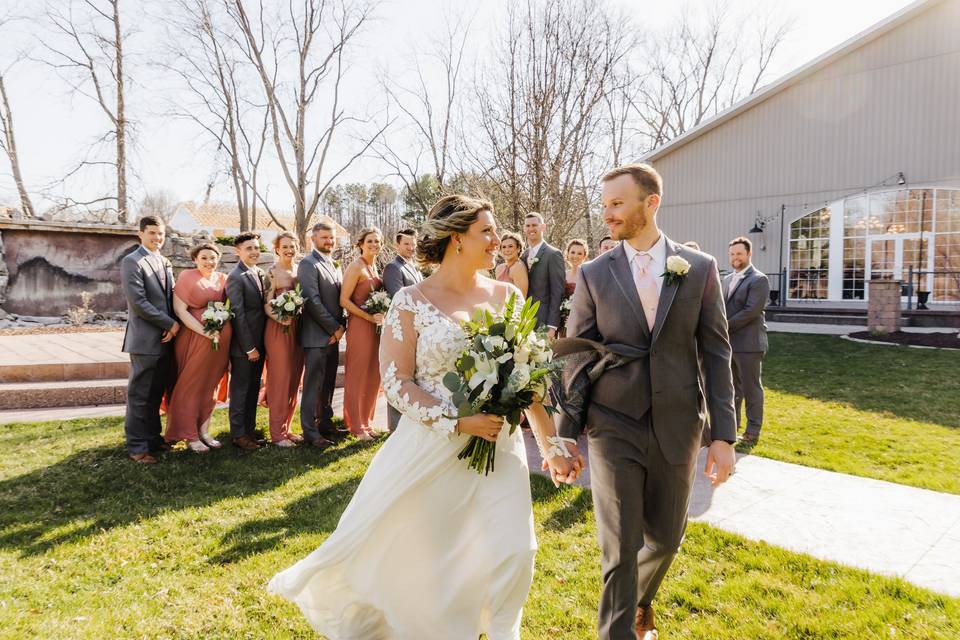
{"x":298,"y":300}
{"x":494,"y":343}
{"x":289,"y":306}
{"x":521,"y":354}
{"x":218,"y":305}
{"x":519,"y":377}
{"x":677,"y":266}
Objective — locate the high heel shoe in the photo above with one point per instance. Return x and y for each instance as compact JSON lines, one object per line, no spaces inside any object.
{"x":285,"y":444}
{"x":198,"y":447}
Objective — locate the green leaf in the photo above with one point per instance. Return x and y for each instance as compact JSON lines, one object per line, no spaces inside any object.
{"x":452,"y":381}
{"x":467,"y":363}
{"x":465,"y":409}
{"x":498,"y":329}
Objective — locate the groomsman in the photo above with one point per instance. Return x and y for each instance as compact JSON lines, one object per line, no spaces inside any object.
{"x":246,"y":288}
{"x":401,"y":272}
{"x":548,"y":273}
{"x":322,"y":326}
{"x":147,"y":279}
{"x":747,"y":291}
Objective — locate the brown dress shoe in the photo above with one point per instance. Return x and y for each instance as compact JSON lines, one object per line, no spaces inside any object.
{"x":143,"y":458}
{"x":246,"y":443}
{"x":320,"y":443}
{"x":749,"y":439}
{"x":646,"y":627}
{"x":295,"y":438}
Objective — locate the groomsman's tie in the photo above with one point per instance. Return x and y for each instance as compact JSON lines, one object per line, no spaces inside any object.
{"x":646,"y":287}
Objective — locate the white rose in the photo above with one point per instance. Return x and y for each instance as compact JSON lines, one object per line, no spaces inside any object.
{"x":289,"y":306}
{"x":494,"y":343}
{"x":521,"y":355}
{"x":298,"y":301}
{"x":677,"y":265}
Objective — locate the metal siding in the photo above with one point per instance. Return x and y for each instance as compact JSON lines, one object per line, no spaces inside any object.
{"x":890,"y":106}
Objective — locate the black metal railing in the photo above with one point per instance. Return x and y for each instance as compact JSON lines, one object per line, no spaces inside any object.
{"x":919,"y":291}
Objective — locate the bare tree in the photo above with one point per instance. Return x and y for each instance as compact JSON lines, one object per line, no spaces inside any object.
{"x":697,"y":68}
{"x":431,"y":115}
{"x":89,"y":50}
{"x":9,"y":145}
{"x":160,"y":202}
{"x":316,"y":35}
{"x":207,"y":62}
{"x":540,"y":105}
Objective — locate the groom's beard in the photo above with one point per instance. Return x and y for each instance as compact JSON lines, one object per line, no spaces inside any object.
{"x":631,"y":228}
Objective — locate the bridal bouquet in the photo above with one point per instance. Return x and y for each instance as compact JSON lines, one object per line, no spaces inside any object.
{"x":506,"y":367}
{"x":215,"y":317}
{"x":287,"y":306}
{"x":377,"y":302}
{"x":565,"y":308}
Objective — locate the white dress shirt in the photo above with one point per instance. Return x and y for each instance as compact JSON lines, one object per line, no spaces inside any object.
{"x":658,"y":259}
{"x":532,"y":252}
{"x":735,"y":280}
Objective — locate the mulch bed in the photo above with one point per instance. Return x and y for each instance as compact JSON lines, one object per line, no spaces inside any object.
{"x":940,"y":340}
{"x":25,"y":331}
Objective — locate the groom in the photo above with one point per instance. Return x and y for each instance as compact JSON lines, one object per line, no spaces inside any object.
{"x":644,"y":419}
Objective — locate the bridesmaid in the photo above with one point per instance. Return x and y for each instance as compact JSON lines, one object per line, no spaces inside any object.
{"x":575,"y":255}
{"x":284,"y":353}
{"x":199,"y":367}
{"x":362,"y":368}
{"x":513,"y":269}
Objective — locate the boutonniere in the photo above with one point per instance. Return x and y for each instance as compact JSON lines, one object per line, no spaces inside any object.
{"x":534,"y":262}
{"x":336,"y":263}
{"x":677,"y":270}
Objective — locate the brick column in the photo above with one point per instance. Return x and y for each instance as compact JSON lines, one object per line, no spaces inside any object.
{"x":883,"y":312}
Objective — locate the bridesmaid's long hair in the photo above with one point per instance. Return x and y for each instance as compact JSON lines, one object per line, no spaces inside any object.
{"x":451,"y":214}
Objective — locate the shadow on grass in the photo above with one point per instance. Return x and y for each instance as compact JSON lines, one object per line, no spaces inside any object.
{"x":99,"y":488}
{"x":916,"y":384}
{"x":573,"y":512}
{"x":317,"y":512}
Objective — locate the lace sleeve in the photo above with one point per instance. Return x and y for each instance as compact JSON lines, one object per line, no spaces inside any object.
{"x":398,"y":355}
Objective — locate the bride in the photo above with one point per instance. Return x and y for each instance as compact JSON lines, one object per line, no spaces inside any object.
{"x":428,"y":548}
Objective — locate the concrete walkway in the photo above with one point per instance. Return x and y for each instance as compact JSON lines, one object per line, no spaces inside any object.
{"x":882,"y":527}
{"x":843,"y":329}
{"x":64,"y":348}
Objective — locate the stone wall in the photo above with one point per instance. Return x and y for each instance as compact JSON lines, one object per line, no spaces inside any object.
{"x":46,"y":265}
{"x":884,"y":308}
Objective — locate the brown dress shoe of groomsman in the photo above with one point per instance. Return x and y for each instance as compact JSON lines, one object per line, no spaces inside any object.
{"x":246,"y":443}
{"x":143,"y":458}
{"x":320,"y":443}
{"x":646,"y":627}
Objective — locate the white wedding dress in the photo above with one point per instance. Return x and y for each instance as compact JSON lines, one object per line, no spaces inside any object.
{"x":427,"y":549}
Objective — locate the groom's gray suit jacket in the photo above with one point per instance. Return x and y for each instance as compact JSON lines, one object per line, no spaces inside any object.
{"x":690,"y":327}
{"x":149,"y":303}
{"x":745,"y":316}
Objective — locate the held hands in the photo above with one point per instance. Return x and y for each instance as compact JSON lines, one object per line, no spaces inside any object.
{"x":170,"y":333}
{"x":565,"y":470}
{"x":721,"y":460}
{"x":335,"y":338}
{"x":482,"y":425}
{"x":253,"y":355}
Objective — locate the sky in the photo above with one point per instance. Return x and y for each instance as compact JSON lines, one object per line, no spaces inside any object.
{"x":53,"y":128}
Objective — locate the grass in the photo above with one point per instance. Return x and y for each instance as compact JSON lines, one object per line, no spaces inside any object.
{"x":93,"y":546}
{"x":890,"y":413}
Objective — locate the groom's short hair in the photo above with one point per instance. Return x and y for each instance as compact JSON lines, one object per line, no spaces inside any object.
{"x":643,"y":174}
{"x":744,"y":241}
{"x":150,"y":221}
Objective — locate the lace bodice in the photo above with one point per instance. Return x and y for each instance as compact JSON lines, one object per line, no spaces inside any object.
{"x":419,"y":346}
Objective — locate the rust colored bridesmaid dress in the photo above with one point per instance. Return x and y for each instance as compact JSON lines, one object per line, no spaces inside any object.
{"x":199,"y":367}
{"x":362,"y":368}
{"x":285,"y":366}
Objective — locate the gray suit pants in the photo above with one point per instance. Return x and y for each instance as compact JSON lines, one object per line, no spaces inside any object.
{"x":748,"y":389}
{"x":245,"y":377}
{"x":319,"y":383}
{"x":640,"y":503}
{"x":150,"y":377}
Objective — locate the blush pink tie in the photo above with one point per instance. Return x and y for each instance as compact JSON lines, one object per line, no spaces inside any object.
{"x":646,"y":287}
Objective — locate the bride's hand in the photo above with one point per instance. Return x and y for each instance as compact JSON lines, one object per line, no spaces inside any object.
{"x":562,"y":470}
{"x":482,"y":425}
{"x":575,"y":461}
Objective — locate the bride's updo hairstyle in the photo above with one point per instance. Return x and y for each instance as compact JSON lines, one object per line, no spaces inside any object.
{"x":451,"y":214}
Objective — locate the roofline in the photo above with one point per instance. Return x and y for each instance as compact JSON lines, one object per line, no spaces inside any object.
{"x":852,"y":44}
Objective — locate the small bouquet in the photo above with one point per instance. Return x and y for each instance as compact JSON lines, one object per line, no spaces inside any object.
{"x":506,"y":367}
{"x":565,"y":307}
{"x":215,"y":317}
{"x":287,"y":306}
{"x":377,"y":302}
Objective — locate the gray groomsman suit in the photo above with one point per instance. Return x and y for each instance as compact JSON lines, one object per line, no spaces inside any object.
{"x":548,"y":278}
{"x":246,"y":289}
{"x":396,"y":275}
{"x":148,"y":286}
{"x":644,"y":419}
{"x":748,"y":338}
{"x":320,"y":281}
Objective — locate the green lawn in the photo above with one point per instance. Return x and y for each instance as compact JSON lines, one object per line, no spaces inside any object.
{"x":93,"y":546}
{"x":890,"y":413}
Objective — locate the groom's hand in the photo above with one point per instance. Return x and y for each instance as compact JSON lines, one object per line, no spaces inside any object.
{"x":721,"y":459}
{"x":577,"y":465}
